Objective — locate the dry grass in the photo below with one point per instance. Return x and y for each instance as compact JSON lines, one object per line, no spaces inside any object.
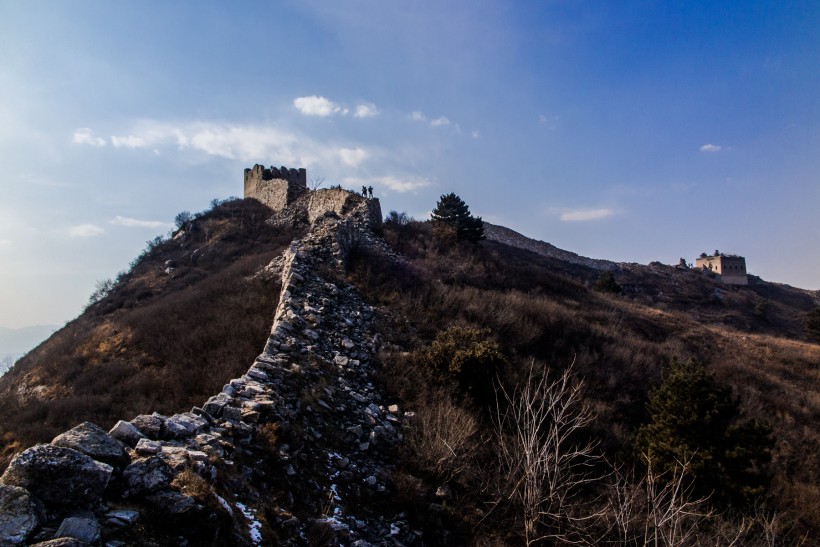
{"x":442,"y":437}
{"x":539,"y":308}
{"x":191,"y":484}
{"x":267,"y":435}
{"x":158,"y":342}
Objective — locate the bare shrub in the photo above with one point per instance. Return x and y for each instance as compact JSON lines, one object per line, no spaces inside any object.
{"x":657,"y":509}
{"x":441,"y":437}
{"x":544,"y":465}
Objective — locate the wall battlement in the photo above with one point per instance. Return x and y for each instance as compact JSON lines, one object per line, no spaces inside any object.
{"x":275,"y":187}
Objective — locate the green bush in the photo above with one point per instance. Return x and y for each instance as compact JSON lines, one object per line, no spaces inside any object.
{"x":468,"y":357}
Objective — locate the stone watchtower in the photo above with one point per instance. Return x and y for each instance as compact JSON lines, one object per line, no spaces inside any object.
{"x":276,"y":188}
{"x":730,"y":268}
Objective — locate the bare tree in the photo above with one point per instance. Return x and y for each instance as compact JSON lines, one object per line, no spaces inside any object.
{"x":316,"y":182}
{"x":6,"y":362}
{"x":656,"y":510}
{"x":672,"y":518}
{"x":543,"y":463}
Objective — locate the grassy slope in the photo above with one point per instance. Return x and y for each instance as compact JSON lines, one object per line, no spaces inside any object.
{"x":158,"y":342}
{"x":539,"y":308}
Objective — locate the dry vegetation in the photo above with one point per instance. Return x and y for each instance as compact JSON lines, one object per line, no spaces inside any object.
{"x":153,"y":339}
{"x":157,"y":341}
{"x":540,"y":309}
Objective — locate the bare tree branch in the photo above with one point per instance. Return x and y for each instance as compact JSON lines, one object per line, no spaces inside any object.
{"x":543,"y":465}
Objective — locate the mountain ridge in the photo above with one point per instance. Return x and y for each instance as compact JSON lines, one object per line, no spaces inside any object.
{"x":301,"y":445}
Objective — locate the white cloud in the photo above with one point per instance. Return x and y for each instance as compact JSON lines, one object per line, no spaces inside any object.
{"x":130,"y":141}
{"x":438,"y":122}
{"x":84,"y":135}
{"x":5,"y":242}
{"x":353,"y":156}
{"x":133,"y":222}
{"x":250,"y":144}
{"x":581,"y":215}
{"x":711,"y":148}
{"x":476,"y":134}
{"x":417,"y":116}
{"x":85,"y":230}
{"x":366,"y":110}
{"x":242,"y":142}
{"x":317,"y":106}
{"x":399,"y":184}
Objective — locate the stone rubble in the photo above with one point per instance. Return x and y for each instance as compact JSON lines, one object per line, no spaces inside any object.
{"x":300,"y":445}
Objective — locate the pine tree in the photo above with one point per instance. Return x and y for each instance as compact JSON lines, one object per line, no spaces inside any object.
{"x":811,"y":325}
{"x":606,"y":283}
{"x":452,"y":214}
{"x":694,"y":419}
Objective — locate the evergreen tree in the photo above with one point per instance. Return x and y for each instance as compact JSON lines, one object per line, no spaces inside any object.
{"x":695,"y":419}
{"x":811,"y":326}
{"x":606,"y":283}
{"x":454,"y":216}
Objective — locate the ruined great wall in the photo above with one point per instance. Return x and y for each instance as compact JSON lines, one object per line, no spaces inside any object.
{"x":296,"y":447}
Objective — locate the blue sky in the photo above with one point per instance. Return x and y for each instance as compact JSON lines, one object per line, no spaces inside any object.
{"x":633,"y":131}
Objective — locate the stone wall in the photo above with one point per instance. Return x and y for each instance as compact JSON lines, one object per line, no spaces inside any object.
{"x":344,"y":203}
{"x":303,"y":439}
{"x":275,"y":187}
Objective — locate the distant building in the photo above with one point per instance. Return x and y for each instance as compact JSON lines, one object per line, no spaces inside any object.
{"x":730,"y":268}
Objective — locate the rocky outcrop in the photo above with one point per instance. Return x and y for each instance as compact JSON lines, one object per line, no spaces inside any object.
{"x":300,"y":445}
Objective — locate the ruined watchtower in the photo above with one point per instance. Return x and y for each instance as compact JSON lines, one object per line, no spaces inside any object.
{"x":274,"y":187}
{"x":730,"y":268}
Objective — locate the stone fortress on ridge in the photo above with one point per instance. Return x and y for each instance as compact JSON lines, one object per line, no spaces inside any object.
{"x":276,"y":188}
{"x":730,"y":268}
{"x":281,"y":187}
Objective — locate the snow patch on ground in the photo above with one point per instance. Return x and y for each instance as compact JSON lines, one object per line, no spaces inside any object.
{"x":254,"y":526}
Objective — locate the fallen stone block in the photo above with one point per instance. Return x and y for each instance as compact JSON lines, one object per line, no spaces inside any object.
{"x":94,"y":442}
{"x":126,"y":432}
{"x":59,"y":476}
{"x":146,"y":476}
{"x":82,"y":528}
{"x":20,"y":515}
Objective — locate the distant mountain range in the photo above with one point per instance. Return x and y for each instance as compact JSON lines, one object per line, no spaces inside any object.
{"x":19,"y":341}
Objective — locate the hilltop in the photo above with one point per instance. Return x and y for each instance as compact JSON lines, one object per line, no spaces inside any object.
{"x":343,"y":429}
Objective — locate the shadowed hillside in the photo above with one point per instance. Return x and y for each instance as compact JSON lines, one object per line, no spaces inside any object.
{"x":543,"y":308}
{"x":461,"y":330}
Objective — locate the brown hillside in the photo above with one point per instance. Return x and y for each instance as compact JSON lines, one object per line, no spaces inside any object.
{"x":541,"y":307}
{"x":190,"y":314}
{"x":193,"y":313}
